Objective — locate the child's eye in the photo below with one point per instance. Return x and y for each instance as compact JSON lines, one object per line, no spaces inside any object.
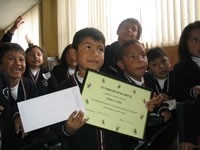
{"x":10,"y":58}
{"x":39,"y":54}
{"x":132,"y":56}
{"x":144,"y":55}
{"x":101,"y":49}
{"x":164,"y":61}
{"x":88,"y":46}
{"x":21,"y":59}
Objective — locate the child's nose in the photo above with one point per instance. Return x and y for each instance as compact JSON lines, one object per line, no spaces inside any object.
{"x":161,"y":66}
{"x":130,"y":31}
{"x":140,"y":58}
{"x":95,"y":51}
{"x":17,"y":61}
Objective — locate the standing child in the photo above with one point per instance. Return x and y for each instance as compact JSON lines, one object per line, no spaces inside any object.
{"x":89,"y":44}
{"x":43,"y":79}
{"x":132,"y":60}
{"x":187,"y":77}
{"x":162,"y":81}
{"x":162,"y":77}
{"x":35,"y":70}
{"x":67,"y":65}
{"x":12,"y":60}
{"x":187,"y":69}
{"x":128,"y":29}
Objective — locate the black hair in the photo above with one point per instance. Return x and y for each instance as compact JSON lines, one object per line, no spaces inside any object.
{"x":183,"y":49}
{"x":7,"y":46}
{"x":156,"y":52}
{"x":120,"y":52}
{"x":132,"y":21}
{"x":91,"y":32}
{"x":63,"y":56}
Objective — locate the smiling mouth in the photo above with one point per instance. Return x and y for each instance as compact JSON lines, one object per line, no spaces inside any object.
{"x":163,"y":72}
{"x":93,"y":61}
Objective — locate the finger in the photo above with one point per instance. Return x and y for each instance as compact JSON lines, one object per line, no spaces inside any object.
{"x":22,"y":22}
{"x":24,"y":135}
{"x":72,"y":116}
{"x":19,"y":18}
{"x":79,"y":118}
{"x":18,"y":130}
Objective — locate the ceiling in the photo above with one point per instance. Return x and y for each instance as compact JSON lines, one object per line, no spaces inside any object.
{"x":11,"y":9}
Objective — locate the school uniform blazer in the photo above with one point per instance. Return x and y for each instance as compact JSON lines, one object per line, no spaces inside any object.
{"x":6,"y":122}
{"x":168,"y":89}
{"x":44,"y":85}
{"x":186,"y":77}
{"x":26,"y":90}
{"x":154,"y":124}
{"x":61,"y":73}
{"x":87,"y":137}
{"x":110,"y":66}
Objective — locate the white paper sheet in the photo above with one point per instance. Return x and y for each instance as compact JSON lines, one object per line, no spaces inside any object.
{"x":50,"y":109}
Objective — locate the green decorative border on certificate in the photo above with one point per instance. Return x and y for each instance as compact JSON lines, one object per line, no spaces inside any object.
{"x":115,"y":105}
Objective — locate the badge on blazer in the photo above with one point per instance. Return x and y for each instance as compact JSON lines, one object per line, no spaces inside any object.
{"x":5,"y":92}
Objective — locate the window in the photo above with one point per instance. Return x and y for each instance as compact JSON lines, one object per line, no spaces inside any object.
{"x":30,"y":27}
{"x":162,"y":20}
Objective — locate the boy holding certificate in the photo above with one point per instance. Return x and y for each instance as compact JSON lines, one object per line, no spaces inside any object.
{"x":89,"y":44}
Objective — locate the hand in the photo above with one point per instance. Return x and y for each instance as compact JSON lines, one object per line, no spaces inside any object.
{"x":154,"y":102}
{"x":74,"y":122}
{"x":187,"y":146}
{"x":28,"y":39}
{"x":1,"y":109}
{"x":18,"y":127}
{"x":165,"y":97}
{"x":167,"y":115}
{"x":16,"y":25}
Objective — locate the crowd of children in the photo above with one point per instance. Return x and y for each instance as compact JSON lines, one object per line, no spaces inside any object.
{"x":24,"y":75}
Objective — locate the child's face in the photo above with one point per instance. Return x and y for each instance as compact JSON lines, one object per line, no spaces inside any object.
{"x":128,"y":31}
{"x":134,"y":61}
{"x":13,"y":64}
{"x":90,"y":55}
{"x":160,"y":67}
{"x":34,"y":58}
{"x":194,"y":43}
{"x":71,"y":58}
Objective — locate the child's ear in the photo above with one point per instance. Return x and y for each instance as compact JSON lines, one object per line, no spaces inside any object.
{"x":170,"y":66}
{"x":120,"y":64}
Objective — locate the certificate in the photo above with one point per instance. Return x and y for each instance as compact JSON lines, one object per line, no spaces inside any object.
{"x":115,"y":105}
{"x":49,"y":109}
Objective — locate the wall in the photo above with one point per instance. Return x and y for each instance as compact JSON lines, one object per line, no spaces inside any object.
{"x":173,"y":54}
{"x":1,"y":33}
{"x":49,"y":27}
